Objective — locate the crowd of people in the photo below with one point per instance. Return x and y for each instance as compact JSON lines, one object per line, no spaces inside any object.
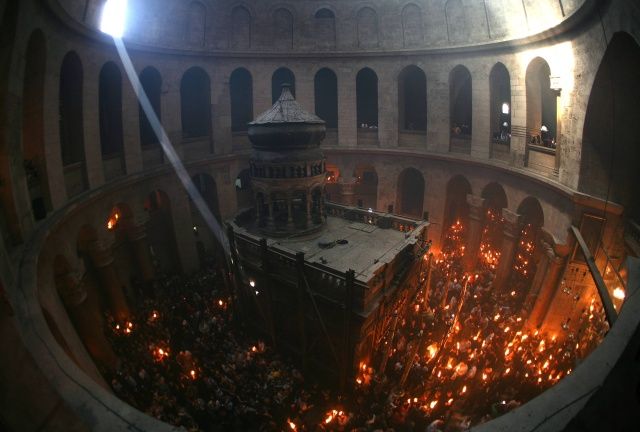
{"x":456,"y":355}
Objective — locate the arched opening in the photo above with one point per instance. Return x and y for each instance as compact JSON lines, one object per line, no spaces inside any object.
{"x":325,"y":31}
{"x":367,"y":107}
{"x":195,"y":103}
{"x":412,"y":105}
{"x":241,"y":92}
{"x":282,"y":76}
{"x":33,"y":126}
{"x":495,"y":199}
{"x":151,"y":81}
{"x":283,"y":29}
{"x":111,"y":138}
{"x":610,"y":151}
{"x":460,"y":99}
{"x":161,"y":232}
{"x":366,"y":187}
{"x":410,"y":193}
{"x":526,"y":256}
{"x":500,"y":111}
{"x":541,"y":103}
{"x":367,"y":22}
{"x":244,"y":191}
{"x":71,"y":125}
{"x":326,"y":102}
{"x":197,"y":24}
{"x":456,"y":206}
{"x":240,"y":28}
{"x":412,"y":27}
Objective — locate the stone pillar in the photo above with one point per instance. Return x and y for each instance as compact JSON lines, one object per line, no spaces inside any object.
{"x":481,"y":133}
{"x":258,"y":207}
{"x":270,"y":220}
{"x":137,"y":235}
{"x":131,"y":130}
{"x":91,"y":120}
{"x":518,"y":114}
{"x":102,"y":259}
{"x":289,"y":211}
{"x":347,"y":192}
{"x":438,"y":109}
{"x":347,"y":108}
{"x":387,"y":111}
{"x":512,"y":228}
{"x":88,"y":324}
{"x":544,"y":285}
{"x":172,"y":112}
{"x":183,"y":229}
{"x":309,"y":199}
{"x":474,"y":231}
{"x":221,"y":115}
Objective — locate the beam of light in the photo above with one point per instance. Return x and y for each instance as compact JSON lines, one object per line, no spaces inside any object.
{"x":168,"y":149}
{"x":114,"y":17}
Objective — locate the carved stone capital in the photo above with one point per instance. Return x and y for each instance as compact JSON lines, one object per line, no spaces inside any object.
{"x":512,"y":223}
{"x":476,"y":206}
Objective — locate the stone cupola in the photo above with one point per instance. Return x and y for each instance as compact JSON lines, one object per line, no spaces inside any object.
{"x":288,"y":172}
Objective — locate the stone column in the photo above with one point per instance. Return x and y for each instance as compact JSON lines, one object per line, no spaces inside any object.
{"x":474,"y":231}
{"x":88,"y":324}
{"x":309,"y":199}
{"x":102,"y":259}
{"x":137,"y":235}
{"x":172,"y":112}
{"x":544,"y":285}
{"x":347,"y":192}
{"x":131,"y":130}
{"x":518,"y":114}
{"x":91,"y":120}
{"x":347,"y":108}
{"x":481,"y":134}
{"x":511,"y":229}
{"x":221,"y":115}
{"x":270,"y":220}
{"x":438,"y":109}
{"x":387,"y":111}
{"x":289,"y":211}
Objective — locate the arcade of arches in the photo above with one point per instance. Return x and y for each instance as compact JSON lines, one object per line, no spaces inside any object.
{"x":507,"y":130}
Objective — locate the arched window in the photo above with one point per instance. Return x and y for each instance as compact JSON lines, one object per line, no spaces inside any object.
{"x":460,"y":100}
{"x":71,"y":124}
{"x":195,"y":103}
{"x":495,"y":197}
{"x":412,"y":99}
{"x":410,"y":193}
{"x":282,"y":29}
{"x":33,"y":126}
{"x":240,"y":28}
{"x":500,"y":104}
{"x":196,"y":25}
{"x":111,"y":110}
{"x":280,"y":77}
{"x":367,"y":99}
{"x":542,"y":102}
{"x":325,"y":29}
{"x":412,"y":27}
{"x":456,"y":206}
{"x":367,"y":22}
{"x":152,"y":84}
{"x":326,"y":97}
{"x":241,"y":90}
